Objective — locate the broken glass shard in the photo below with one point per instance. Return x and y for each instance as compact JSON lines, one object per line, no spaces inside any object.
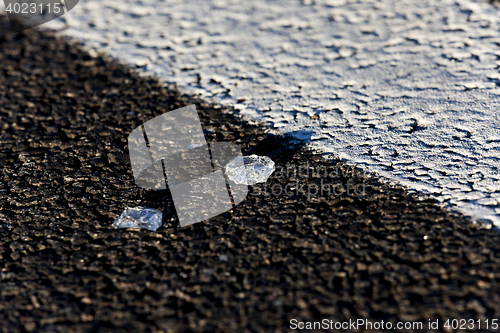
{"x":139,"y":218}
{"x":255,"y":169}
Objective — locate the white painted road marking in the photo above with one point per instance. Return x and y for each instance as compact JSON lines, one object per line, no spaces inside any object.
{"x":408,"y":89}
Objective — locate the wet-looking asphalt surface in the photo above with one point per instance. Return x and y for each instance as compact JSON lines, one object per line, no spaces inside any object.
{"x":64,"y":122}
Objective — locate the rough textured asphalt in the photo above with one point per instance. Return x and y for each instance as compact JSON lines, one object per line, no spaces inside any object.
{"x":408,"y":89}
{"x":64,"y":120}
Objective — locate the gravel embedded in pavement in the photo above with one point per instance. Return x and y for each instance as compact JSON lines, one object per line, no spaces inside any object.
{"x":378,"y":253}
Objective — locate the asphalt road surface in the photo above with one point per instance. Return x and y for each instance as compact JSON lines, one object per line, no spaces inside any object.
{"x":407,"y":89}
{"x":379,"y":254}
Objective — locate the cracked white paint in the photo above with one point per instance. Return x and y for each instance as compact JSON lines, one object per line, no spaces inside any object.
{"x":408,"y":89}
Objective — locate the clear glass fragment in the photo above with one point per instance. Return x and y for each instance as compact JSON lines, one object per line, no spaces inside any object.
{"x":256,"y":169}
{"x":139,"y":218}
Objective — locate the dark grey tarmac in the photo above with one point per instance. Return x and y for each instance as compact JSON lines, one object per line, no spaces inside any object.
{"x":381,"y":254}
